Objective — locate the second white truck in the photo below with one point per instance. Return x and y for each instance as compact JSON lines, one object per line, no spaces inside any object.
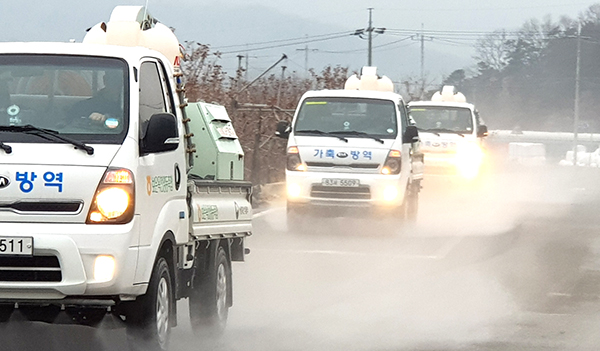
{"x":352,"y":152}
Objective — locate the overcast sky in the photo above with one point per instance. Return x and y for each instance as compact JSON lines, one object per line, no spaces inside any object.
{"x":226,"y":23}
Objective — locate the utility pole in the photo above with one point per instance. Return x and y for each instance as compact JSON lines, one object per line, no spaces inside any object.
{"x":240,"y":57}
{"x":306,"y":50}
{"x":239,"y":70}
{"x":370,"y":31}
{"x":422,"y":56}
{"x":246,"y":72}
{"x":280,"y":83}
{"x":421,"y":37}
{"x":369,"y":36}
{"x":576,"y":107}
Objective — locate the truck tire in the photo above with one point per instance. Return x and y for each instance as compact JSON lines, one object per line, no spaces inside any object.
{"x":5,"y":311}
{"x":149,"y":317}
{"x":209,"y":301}
{"x":411,"y":203}
{"x":295,"y":220}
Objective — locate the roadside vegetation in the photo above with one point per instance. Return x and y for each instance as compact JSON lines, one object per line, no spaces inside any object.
{"x":521,"y":79}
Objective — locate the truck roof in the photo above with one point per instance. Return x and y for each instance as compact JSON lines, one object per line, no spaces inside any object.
{"x":442,"y":104}
{"x":62,"y":48}
{"x":370,"y":94}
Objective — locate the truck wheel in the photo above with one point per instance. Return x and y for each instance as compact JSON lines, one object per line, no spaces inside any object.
{"x":5,"y":311}
{"x":209,"y":301}
{"x":149,"y":317}
{"x":411,"y":205}
{"x":294,"y":220}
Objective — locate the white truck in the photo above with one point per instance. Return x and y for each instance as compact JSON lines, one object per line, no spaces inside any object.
{"x":451,"y":134}
{"x":352,"y":152}
{"x":115,"y":194}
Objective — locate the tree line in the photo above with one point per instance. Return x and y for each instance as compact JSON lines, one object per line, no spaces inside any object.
{"x":254,"y":109}
{"x":527,"y":79}
{"x":522,"y":79}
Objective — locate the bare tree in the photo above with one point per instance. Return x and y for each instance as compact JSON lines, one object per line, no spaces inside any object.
{"x":492,"y":51}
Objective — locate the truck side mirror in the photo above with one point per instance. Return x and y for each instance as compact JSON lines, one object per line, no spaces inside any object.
{"x":482,"y":131}
{"x":411,"y":134}
{"x":284,"y":129}
{"x":161,"y":134}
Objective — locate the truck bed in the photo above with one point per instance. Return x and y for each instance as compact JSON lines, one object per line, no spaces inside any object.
{"x":220,"y":208}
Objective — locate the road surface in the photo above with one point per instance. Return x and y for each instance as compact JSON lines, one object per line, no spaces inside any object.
{"x":513,"y":264}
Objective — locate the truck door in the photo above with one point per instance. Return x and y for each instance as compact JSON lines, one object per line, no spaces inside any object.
{"x":159,"y":189}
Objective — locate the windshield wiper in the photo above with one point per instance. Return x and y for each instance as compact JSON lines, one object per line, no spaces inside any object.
{"x":5,"y":147}
{"x":429,"y":131}
{"x":320,"y":132}
{"x":355,"y":133}
{"x":29,"y":129}
{"x":436,"y":131}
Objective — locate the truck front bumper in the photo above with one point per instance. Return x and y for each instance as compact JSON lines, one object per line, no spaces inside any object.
{"x":452,"y":164}
{"x":76,"y":248}
{"x":365,"y":193}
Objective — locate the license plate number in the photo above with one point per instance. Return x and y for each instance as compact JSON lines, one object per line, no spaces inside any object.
{"x":16,"y":246}
{"x":340,"y":182}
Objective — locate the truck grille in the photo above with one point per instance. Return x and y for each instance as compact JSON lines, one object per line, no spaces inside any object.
{"x":44,"y":207}
{"x":350,"y":165}
{"x":338,"y":192}
{"x":30,"y":269}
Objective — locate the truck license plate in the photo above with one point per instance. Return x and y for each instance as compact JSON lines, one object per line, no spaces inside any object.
{"x":16,"y":246}
{"x":340,"y":182}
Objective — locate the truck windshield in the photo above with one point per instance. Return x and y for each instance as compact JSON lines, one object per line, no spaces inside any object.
{"x":80,"y":97}
{"x":353,"y":117}
{"x":443,"y":119}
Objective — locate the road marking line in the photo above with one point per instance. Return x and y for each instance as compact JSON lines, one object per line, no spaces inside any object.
{"x":444,"y":251}
{"x":557,"y":294}
{"x":264,"y":213}
{"x":351,"y":253}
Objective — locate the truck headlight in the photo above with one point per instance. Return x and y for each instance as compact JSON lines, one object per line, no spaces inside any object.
{"x":294,"y":162}
{"x":112,"y":202}
{"x":469,"y":157}
{"x":114,"y":199}
{"x":393,"y":163}
{"x":104,"y":268}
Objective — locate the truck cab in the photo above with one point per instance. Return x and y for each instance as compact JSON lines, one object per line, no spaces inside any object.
{"x":105,"y":204}
{"x":352,"y":152}
{"x":452,"y":134}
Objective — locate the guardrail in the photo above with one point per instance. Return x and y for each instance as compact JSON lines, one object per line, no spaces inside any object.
{"x":541,"y":137}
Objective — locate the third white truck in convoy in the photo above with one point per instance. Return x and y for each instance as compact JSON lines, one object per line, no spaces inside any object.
{"x":352,"y":152}
{"x":451,"y":134}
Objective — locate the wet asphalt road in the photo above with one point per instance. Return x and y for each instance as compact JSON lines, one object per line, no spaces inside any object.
{"x":513,"y":264}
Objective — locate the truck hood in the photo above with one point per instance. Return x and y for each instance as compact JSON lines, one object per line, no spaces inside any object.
{"x":444,"y":142}
{"x":50,"y":182}
{"x":317,"y":151}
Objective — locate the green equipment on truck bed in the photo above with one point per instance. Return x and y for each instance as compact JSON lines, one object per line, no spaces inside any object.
{"x":219,"y":154}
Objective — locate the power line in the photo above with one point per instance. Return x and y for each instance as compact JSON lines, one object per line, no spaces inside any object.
{"x":306,"y":37}
{"x":433,"y":9}
{"x":289,"y":44}
{"x":362,"y":50}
